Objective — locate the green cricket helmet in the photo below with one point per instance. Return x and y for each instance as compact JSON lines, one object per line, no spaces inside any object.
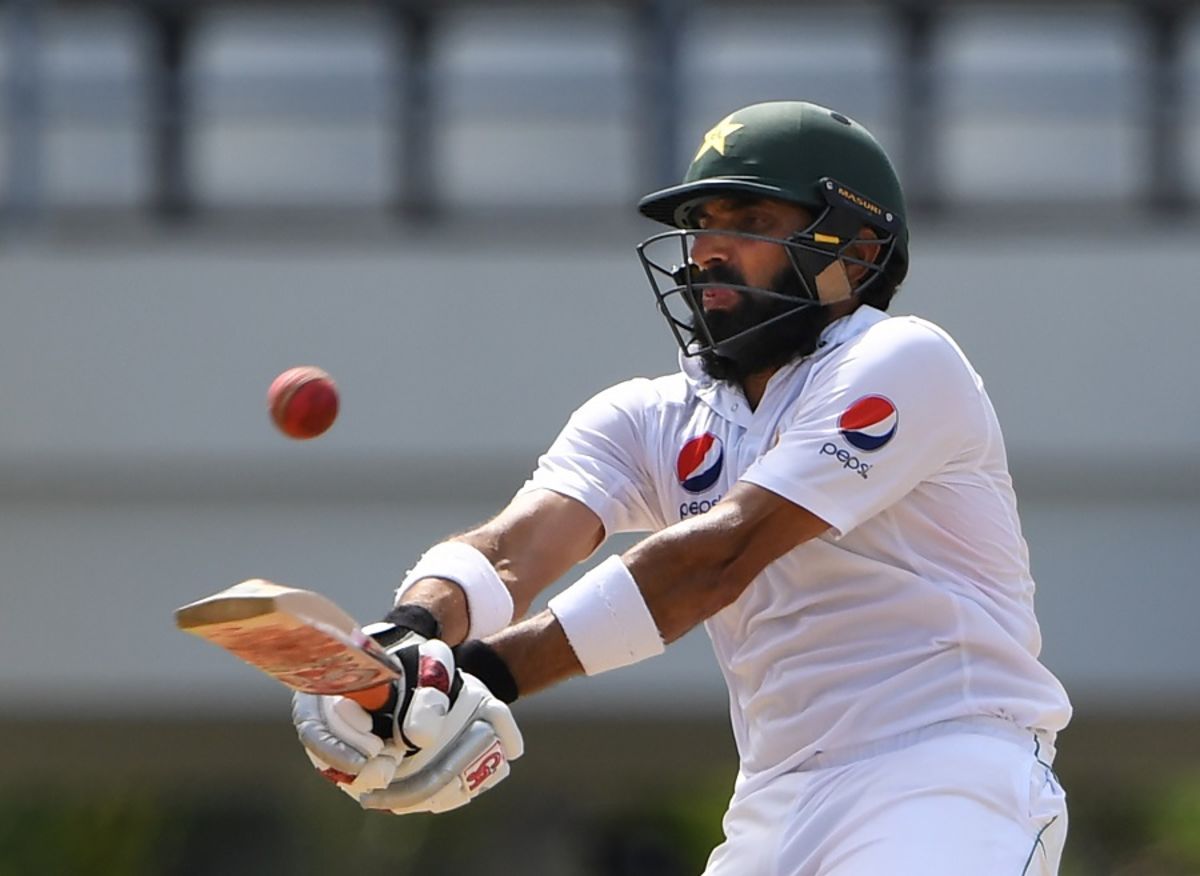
{"x":796,"y":152}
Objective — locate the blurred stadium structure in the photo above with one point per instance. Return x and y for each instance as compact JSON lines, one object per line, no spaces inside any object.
{"x":434,"y":201}
{"x":183,"y":104}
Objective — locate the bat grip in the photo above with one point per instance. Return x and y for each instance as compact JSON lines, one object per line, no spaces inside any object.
{"x":371,"y":698}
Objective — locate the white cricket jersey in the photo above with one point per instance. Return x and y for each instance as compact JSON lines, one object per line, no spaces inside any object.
{"x":916,"y":607}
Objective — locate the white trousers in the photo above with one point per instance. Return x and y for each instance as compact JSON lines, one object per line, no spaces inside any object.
{"x":964,"y":798}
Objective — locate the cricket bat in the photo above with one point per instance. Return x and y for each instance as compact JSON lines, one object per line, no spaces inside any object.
{"x":298,"y":637}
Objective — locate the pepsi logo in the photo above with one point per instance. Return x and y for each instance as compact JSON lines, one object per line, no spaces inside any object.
{"x":869,"y":423}
{"x":699,"y":464}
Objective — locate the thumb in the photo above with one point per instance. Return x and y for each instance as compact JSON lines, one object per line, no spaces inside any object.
{"x":376,"y":773}
{"x":424,"y":721}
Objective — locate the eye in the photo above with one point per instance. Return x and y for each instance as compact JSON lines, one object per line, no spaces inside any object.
{"x":755,"y":221}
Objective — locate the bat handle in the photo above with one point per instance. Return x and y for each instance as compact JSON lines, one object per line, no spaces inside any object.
{"x":371,"y":698}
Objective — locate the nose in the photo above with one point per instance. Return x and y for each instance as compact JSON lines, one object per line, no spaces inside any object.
{"x":709,"y":248}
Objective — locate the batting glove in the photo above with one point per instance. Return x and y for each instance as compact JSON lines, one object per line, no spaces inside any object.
{"x":340,"y":736}
{"x":475,"y":743}
{"x":441,"y":739}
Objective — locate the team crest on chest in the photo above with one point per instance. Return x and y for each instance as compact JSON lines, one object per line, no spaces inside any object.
{"x":700,"y":462}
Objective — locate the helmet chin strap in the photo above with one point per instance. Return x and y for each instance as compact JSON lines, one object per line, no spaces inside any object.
{"x":823,"y":273}
{"x":833,"y":284}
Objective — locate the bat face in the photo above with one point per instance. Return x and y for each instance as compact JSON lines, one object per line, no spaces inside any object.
{"x":298,"y":637}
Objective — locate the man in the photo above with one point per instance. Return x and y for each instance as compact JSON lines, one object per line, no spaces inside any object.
{"x":828,"y":493}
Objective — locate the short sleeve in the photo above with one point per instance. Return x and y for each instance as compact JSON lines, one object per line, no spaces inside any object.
{"x":900,"y":405}
{"x":598,"y":459}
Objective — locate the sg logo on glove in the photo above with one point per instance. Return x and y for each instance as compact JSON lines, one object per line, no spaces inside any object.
{"x":484,"y":768}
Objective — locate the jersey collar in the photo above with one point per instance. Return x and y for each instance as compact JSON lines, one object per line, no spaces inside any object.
{"x":848,"y":327}
{"x":727,"y":401}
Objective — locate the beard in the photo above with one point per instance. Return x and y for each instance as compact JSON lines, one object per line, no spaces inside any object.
{"x":767,"y":347}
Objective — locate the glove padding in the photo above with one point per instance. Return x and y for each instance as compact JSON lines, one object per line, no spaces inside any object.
{"x":450,"y":738}
{"x":479,"y":738}
{"x":340,"y":736}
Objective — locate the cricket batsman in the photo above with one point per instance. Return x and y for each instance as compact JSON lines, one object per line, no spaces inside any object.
{"x":824,"y":487}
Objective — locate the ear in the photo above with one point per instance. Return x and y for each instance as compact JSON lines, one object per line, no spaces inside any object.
{"x":866,"y":248}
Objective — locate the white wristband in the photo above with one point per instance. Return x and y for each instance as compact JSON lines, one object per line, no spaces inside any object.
{"x":489,"y":604}
{"x":606,"y":619}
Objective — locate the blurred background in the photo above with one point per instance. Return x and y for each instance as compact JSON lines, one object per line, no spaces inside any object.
{"x":434,"y":201}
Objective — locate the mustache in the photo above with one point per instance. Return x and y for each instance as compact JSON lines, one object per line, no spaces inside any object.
{"x":717,"y":273}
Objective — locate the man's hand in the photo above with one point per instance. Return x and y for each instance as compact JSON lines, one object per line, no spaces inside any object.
{"x":441,"y":739}
{"x":340,"y":736}
{"x":477,"y":739}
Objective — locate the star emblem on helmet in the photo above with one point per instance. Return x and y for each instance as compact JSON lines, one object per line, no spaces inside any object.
{"x":715,"y":139}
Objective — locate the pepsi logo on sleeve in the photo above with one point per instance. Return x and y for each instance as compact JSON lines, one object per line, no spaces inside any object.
{"x":700,"y":462}
{"x":869,"y":423}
